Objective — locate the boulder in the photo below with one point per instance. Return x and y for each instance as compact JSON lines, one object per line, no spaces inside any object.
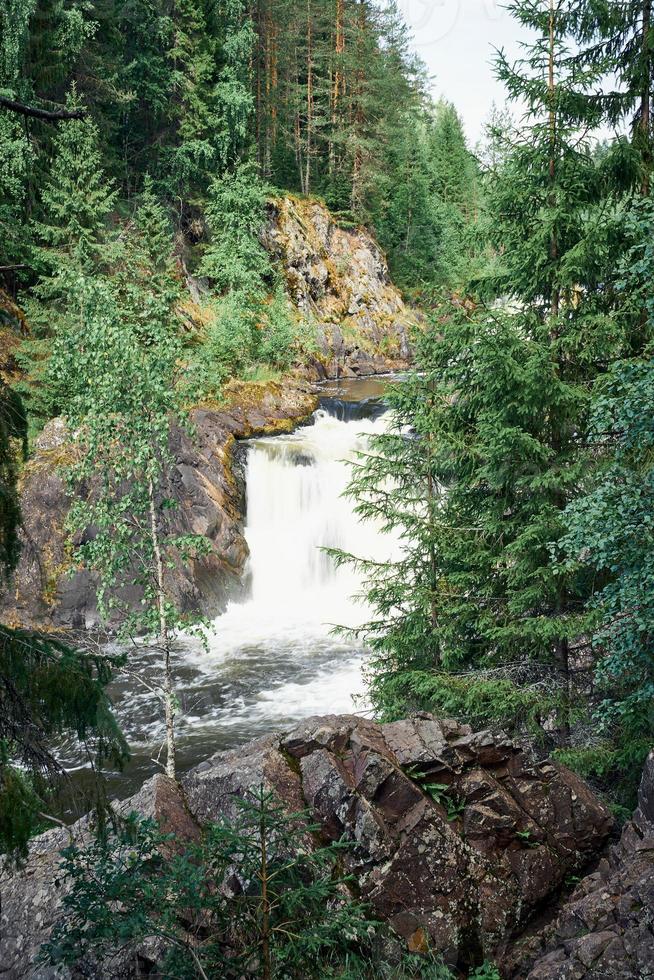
{"x":605,"y":929}
{"x":457,"y":837}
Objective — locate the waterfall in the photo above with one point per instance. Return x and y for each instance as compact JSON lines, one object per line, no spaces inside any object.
{"x":295,"y":509}
{"x":284,"y":631}
{"x":273,"y":658}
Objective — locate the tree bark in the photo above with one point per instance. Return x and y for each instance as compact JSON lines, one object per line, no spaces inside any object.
{"x":309,"y":140}
{"x":554,"y":245}
{"x":56,"y":115}
{"x":164,"y":638}
{"x":646,"y":99}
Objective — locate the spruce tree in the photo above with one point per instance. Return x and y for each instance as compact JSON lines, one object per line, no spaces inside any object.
{"x":72,"y":247}
{"x":617,"y":37}
{"x":608,"y":536}
{"x":509,"y":411}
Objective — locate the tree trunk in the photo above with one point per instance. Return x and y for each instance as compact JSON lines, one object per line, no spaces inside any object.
{"x":164,"y":638}
{"x":563,"y":661}
{"x":554,"y":245}
{"x":646,"y":99}
{"x":34,"y":112}
{"x":337,"y":77}
{"x":309,"y":140}
{"x":266,"y":964}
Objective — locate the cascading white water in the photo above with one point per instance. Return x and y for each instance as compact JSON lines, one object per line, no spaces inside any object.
{"x":273,"y":658}
{"x":295,"y":510}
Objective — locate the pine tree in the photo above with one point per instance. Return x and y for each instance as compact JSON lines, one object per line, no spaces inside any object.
{"x":73,"y":246}
{"x":15,"y":151}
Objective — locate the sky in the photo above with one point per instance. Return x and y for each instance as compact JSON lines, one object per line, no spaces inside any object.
{"x":455,"y":38}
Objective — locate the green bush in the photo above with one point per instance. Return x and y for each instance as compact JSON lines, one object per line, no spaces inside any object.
{"x":256,"y":897}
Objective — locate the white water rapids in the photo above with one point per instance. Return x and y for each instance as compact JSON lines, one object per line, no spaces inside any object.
{"x":273,"y":658}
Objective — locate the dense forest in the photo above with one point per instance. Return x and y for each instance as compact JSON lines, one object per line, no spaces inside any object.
{"x":141,"y":144}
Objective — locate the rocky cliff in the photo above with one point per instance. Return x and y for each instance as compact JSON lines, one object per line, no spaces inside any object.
{"x":339,"y":276}
{"x":206,"y":482}
{"x":605,"y":929}
{"x":460,"y":870}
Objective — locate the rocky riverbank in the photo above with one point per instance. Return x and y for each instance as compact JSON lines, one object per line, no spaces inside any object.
{"x":206,"y":481}
{"x":467,"y":871}
{"x":339,"y":277}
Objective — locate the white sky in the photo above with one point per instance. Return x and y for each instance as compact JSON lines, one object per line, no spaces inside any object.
{"x":456,"y":39}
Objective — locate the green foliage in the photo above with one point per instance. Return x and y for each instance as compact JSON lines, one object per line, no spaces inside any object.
{"x":47,"y":690}
{"x":255,"y":895}
{"x":476,"y":617}
{"x":71,"y":244}
{"x":488,"y":971}
{"x":609,"y":535}
{"x":248,"y":333}
{"x":235,"y":258}
{"x":117,"y":384}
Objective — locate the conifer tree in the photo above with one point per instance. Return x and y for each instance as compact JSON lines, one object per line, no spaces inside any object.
{"x":72,"y":246}
{"x":509,"y":409}
{"x":617,"y":37}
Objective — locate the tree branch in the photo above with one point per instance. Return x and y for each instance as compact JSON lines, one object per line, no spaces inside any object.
{"x":47,"y":114}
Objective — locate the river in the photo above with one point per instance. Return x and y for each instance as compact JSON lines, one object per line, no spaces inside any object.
{"x":273,"y":658}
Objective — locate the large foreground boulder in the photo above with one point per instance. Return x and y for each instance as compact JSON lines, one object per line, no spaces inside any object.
{"x":457,"y":837}
{"x":605,"y":930}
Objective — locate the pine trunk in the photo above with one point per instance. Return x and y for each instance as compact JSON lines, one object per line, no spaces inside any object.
{"x":554,"y":245}
{"x":645,"y":114}
{"x":309,"y":133}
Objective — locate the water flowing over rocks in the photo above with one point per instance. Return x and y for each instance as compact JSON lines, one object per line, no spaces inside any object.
{"x":206,"y":483}
{"x":460,"y":869}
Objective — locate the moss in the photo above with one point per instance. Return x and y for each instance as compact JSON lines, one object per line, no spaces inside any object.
{"x":290,"y":760}
{"x":48,"y":460}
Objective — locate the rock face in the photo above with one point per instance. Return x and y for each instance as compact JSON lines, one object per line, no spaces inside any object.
{"x":458,"y":867}
{"x":605,"y":931}
{"x":32,"y":898}
{"x":205,"y":483}
{"x":340,"y":277}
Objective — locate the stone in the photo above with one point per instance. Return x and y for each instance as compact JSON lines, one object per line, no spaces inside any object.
{"x":451,"y":872}
{"x":605,"y":929}
{"x":446,"y":870}
{"x":339,"y":276}
{"x":32,"y":898}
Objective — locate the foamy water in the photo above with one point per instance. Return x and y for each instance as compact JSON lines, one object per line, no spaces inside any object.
{"x":274,"y":658}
